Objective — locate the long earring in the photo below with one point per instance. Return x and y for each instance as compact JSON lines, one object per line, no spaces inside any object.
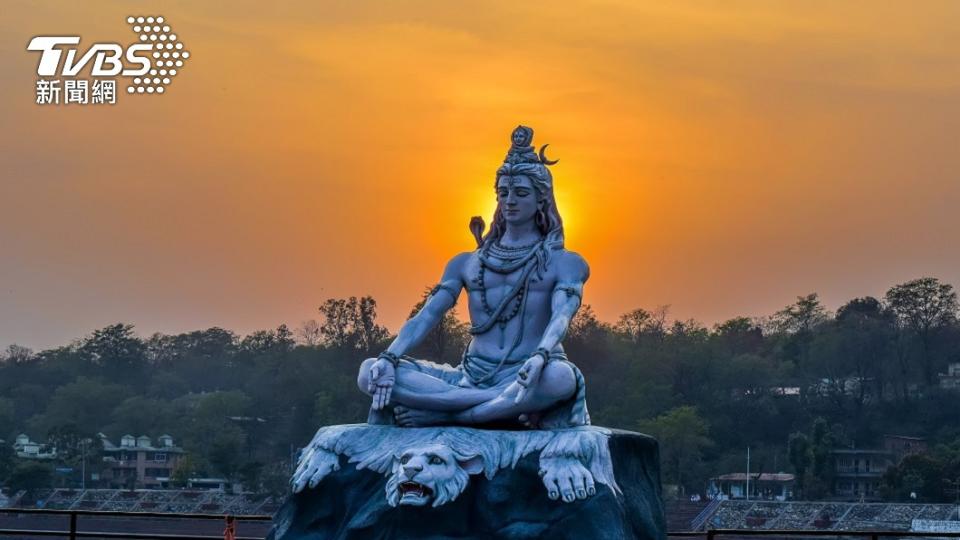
{"x":541,"y":220}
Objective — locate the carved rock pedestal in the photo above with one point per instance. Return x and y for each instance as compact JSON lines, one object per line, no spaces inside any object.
{"x":504,"y":502}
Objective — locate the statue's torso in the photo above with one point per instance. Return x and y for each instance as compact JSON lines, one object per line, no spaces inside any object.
{"x":531,"y":320}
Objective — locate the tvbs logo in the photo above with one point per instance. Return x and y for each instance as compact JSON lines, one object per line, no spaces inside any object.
{"x":108,"y":56}
{"x":150,"y":64}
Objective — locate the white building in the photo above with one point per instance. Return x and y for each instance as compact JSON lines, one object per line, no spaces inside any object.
{"x":27,"y":449}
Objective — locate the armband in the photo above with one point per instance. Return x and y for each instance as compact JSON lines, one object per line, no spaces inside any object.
{"x":390,"y":357}
{"x":454,"y":292}
{"x":544,"y":353}
{"x":571,"y":289}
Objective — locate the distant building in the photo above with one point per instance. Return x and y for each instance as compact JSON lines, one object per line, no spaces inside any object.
{"x":763,"y":486}
{"x":951,"y":379}
{"x":901,"y":446}
{"x":844,"y":386}
{"x":138,"y":462}
{"x":214,"y":484}
{"x":858,"y":473}
{"x":27,"y":449}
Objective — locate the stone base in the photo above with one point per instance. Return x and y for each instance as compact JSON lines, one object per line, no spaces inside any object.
{"x":350,"y":504}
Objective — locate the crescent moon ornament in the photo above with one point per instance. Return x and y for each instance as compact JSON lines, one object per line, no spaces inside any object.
{"x":543,"y":157}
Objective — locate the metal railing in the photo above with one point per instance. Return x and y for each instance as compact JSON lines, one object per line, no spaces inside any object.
{"x":704,"y":515}
{"x":713,"y":534}
{"x":73,"y":532}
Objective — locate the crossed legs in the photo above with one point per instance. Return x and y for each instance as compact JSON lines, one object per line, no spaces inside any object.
{"x":415,"y":388}
{"x":422,"y":399}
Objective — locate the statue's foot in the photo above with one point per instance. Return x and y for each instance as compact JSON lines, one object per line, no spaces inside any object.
{"x":407,"y":417}
{"x":380,"y":417}
{"x":530,"y":420}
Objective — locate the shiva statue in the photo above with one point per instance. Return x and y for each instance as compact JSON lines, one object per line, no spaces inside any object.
{"x":523,"y":288}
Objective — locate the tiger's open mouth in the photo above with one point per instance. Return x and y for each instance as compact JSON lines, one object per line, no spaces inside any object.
{"x":414,"y":494}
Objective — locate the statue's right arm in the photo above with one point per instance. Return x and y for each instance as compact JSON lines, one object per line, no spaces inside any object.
{"x":442,"y":299}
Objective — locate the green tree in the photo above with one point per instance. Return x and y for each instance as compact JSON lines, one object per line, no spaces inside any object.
{"x":140,"y":415}
{"x":17,"y":354}
{"x":210,"y":428}
{"x":924,"y":306}
{"x":164,"y":350}
{"x":447,"y":340}
{"x":227,"y":451}
{"x":351,"y":323}
{"x":640,"y":324}
{"x":920,"y":474}
{"x":798,"y":322}
{"x":7,"y":461}
{"x":683,"y":436}
{"x":7,"y":417}
{"x":265,"y":342}
{"x":68,"y":439}
{"x":324,"y":408}
{"x":116,"y":348}
{"x":823,"y":440}
{"x":84,"y":404}
{"x":739,"y":335}
{"x":798,"y":450}
{"x":30,"y":476}
{"x":219,"y":406}
{"x":585,"y":326}
{"x":189,"y":466}
{"x":864,"y":332}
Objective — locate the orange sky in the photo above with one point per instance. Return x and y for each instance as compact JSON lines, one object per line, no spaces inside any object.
{"x":722,"y":157}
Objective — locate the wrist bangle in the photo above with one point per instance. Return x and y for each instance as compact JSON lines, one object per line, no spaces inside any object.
{"x":390,"y":357}
{"x":544,"y":353}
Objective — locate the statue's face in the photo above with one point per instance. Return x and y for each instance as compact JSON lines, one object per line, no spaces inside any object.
{"x":519,"y":137}
{"x":517,"y":198}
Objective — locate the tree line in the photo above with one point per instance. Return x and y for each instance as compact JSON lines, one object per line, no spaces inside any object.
{"x":791,"y":385}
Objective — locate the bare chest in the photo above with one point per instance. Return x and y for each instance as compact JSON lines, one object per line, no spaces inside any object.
{"x":480,"y":279}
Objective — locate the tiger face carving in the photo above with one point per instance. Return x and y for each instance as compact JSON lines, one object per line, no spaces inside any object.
{"x":431,"y":474}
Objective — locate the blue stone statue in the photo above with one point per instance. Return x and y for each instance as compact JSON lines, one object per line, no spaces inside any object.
{"x":428,"y":463}
{"x":523,"y":287}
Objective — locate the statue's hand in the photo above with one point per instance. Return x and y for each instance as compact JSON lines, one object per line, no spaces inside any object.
{"x":382,"y":377}
{"x":529,"y":375}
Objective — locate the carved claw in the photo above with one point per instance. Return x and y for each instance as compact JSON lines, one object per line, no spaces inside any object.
{"x":315,"y":465}
{"x":566,"y":478}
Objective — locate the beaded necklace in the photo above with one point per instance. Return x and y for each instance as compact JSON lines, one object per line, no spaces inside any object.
{"x":512,"y":258}
{"x":509,"y":260}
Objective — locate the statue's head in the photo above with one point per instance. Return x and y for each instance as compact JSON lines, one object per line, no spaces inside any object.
{"x":524,"y":189}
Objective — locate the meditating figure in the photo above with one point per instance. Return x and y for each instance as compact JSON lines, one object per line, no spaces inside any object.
{"x":523,"y":288}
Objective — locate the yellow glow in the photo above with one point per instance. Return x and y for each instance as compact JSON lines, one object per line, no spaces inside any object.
{"x":722,"y":157}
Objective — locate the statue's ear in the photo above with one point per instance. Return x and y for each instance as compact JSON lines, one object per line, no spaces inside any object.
{"x":473,"y":465}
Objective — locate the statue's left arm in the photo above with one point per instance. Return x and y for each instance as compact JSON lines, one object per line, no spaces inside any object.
{"x":572,"y":273}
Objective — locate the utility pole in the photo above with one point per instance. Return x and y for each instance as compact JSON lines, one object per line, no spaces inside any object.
{"x":748,"y":473}
{"x":83,"y":464}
